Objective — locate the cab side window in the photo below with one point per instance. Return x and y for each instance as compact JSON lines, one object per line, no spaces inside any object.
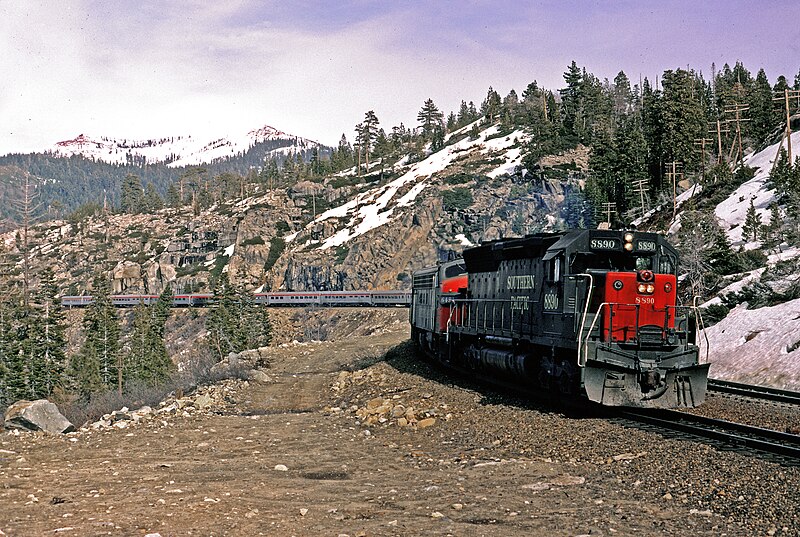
{"x":554,"y":269}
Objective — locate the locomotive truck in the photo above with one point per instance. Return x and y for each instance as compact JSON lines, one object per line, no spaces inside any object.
{"x":583,"y":313}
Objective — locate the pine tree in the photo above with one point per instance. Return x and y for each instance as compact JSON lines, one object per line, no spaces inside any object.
{"x":780,"y":176}
{"x":50,"y":341}
{"x":752,"y":224}
{"x":772,"y":232}
{"x":173,"y":197}
{"x":152,"y":200}
{"x":369,"y":132}
{"x":682,"y":117}
{"x":491,"y":106}
{"x":570,"y":100}
{"x":97,"y":365}
{"x":430,"y":118}
{"x":12,"y":354}
{"x":132,"y":196}
{"x":762,"y":116}
{"x":222,"y":321}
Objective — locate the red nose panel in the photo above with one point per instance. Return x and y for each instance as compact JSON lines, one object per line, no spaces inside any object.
{"x":451,"y":286}
{"x":632,"y":309}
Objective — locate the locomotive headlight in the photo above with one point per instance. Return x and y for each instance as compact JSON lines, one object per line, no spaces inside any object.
{"x":650,"y":288}
{"x":618,"y":285}
{"x":628,"y":242}
{"x":667,"y":287}
{"x":642,"y":288}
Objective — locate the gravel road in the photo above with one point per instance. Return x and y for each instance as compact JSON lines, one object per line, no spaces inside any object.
{"x":358,"y":437}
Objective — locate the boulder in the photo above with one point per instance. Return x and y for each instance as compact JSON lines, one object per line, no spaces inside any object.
{"x":40,"y":415}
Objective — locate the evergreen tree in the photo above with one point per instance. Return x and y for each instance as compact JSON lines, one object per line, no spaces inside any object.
{"x":780,"y":176}
{"x":152,"y":199}
{"x":97,"y":365}
{"x":571,"y":100}
{"x":173,"y":197}
{"x":147,"y":360}
{"x":752,"y":224}
{"x":682,"y":117}
{"x":430,"y":118}
{"x":762,"y":114}
{"x":491,"y":106}
{"x":368,"y":134}
{"x":464,"y":117}
{"x":222,"y":321}
{"x":772,"y":232}
{"x":49,"y":338}
{"x":132,"y":196}
{"x":13,"y":363}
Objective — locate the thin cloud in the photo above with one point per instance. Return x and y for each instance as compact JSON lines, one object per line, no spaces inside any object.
{"x":314,"y":69}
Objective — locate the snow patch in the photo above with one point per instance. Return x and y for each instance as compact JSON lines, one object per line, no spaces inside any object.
{"x":177,"y":151}
{"x":732,"y":211}
{"x":757,"y":346}
{"x":376,"y":207}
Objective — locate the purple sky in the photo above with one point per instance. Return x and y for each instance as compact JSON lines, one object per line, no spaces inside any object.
{"x":314,"y":68}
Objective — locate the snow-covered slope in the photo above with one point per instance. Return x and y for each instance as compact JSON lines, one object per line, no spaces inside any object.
{"x":760,"y":346}
{"x":176,"y":151}
{"x":377,"y":207}
{"x":731,"y":212}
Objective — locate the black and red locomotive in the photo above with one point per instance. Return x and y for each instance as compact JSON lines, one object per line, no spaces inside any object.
{"x":590,"y":313}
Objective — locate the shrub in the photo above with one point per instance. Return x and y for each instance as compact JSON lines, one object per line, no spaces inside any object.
{"x":253,"y":241}
{"x":457,"y":198}
{"x":276,"y":247}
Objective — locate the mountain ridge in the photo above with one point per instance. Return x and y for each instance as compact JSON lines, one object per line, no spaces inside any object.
{"x":176,"y":151}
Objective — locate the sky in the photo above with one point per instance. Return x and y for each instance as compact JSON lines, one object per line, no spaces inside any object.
{"x":156,"y":68}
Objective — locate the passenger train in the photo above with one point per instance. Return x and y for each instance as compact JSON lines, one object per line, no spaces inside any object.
{"x":377,"y":298}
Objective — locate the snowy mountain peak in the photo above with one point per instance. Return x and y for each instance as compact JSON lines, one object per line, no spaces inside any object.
{"x":176,"y":151}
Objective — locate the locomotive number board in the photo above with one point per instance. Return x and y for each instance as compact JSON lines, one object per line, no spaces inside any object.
{"x":604,"y":244}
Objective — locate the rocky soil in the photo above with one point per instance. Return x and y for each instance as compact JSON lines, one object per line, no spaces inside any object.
{"x":358,"y":437}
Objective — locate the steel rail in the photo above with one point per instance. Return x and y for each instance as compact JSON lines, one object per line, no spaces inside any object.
{"x":734,"y":434}
{"x":756,"y":392}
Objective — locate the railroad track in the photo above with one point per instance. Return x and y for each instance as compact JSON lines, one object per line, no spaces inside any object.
{"x":780,"y":446}
{"x":755,"y":392}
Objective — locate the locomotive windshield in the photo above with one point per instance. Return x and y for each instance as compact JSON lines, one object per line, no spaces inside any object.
{"x":619,"y":261}
{"x":455,"y":270}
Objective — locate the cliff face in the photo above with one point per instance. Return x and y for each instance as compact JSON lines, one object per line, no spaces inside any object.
{"x":344,"y":233}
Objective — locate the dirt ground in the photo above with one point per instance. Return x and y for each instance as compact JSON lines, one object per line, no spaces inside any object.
{"x":343,"y":439}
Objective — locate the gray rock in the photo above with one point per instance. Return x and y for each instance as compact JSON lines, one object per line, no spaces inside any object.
{"x":40,"y":415}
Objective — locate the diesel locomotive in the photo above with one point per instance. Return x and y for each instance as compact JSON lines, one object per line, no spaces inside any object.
{"x":583,"y":313}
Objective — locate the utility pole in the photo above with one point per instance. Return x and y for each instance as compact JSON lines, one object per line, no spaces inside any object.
{"x":640,"y":187}
{"x":609,"y":208}
{"x":737,"y":110}
{"x":674,"y":169}
{"x":787,"y":94}
{"x":702,"y":143}
{"x":720,"y":129}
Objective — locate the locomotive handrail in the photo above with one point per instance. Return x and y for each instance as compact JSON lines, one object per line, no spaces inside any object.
{"x":702,"y":323}
{"x":467,"y":320}
{"x":696,"y":311}
{"x":582,"y":359}
{"x":585,"y":308}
